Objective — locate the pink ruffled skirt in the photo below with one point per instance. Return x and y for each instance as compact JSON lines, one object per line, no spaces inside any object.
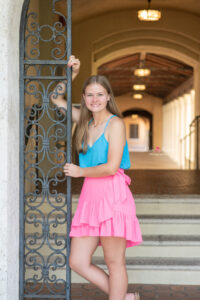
{"x":106,"y":208}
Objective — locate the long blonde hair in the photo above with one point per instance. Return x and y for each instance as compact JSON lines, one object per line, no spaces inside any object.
{"x":85,"y":115}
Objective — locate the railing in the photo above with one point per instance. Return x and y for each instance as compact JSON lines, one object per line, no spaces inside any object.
{"x":193,"y":140}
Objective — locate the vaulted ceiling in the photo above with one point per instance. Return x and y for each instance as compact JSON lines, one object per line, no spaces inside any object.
{"x":166,"y":74}
{"x":83,"y":9}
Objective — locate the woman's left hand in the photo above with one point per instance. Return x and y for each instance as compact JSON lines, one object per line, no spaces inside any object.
{"x":72,"y":170}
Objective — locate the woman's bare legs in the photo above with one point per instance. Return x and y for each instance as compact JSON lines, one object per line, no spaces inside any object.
{"x":82,"y":249}
{"x":114,"y":254}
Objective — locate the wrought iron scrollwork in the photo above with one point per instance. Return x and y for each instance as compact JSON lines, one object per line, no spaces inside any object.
{"x":45,"y":215}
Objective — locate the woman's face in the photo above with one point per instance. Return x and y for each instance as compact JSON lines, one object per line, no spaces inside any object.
{"x":96,"y":97}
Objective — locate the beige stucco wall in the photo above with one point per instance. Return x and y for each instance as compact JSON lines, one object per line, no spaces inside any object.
{"x":152,"y":105}
{"x":9,"y":149}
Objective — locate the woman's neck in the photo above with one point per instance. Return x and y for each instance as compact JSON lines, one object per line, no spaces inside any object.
{"x":100,"y":118}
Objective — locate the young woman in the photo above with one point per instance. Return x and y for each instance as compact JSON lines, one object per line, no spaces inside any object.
{"x":106,"y":213}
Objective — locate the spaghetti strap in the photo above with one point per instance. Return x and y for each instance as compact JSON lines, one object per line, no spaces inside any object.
{"x":108,"y":122}
{"x":90,"y":121}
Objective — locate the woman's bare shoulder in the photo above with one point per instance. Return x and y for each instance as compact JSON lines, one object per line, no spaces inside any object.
{"x":117,"y":122}
{"x":116,"y":125}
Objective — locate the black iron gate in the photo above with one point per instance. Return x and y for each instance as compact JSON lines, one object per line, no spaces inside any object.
{"x":45,"y":145}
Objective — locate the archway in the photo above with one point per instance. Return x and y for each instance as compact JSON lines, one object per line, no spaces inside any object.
{"x":142,"y":113}
{"x":168,"y":48}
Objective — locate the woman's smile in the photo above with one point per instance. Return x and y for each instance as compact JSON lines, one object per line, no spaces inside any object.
{"x":96,"y":97}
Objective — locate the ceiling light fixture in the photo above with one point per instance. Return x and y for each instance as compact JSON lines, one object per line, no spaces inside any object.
{"x":149,"y":14}
{"x":134,"y":116}
{"x":139,"y":87}
{"x":142,"y":72}
{"x":137,"y":96}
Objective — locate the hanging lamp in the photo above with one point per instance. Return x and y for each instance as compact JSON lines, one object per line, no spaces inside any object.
{"x":149,"y":14}
{"x":142,"y":71}
{"x":139,"y":87}
{"x":137,"y":96}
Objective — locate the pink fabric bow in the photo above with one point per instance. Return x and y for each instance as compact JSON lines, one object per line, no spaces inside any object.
{"x":120,"y":180}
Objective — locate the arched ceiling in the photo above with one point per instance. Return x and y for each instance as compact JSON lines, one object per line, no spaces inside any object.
{"x":83,"y":9}
{"x":166,"y":74}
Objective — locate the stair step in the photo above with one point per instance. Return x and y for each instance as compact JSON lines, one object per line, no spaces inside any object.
{"x":171,"y":240}
{"x":148,"y":240}
{"x":161,"y":205}
{"x":171,"y":227}
{"x":157,"y":263}
{"x":180,"y":219}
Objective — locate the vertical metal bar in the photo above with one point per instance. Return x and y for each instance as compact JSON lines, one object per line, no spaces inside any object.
{"x":69,"y":122}
{"x":21,"y":152}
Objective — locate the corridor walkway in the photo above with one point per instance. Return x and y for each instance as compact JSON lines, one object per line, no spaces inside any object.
{"x":155,"y":174}
{"x":152,"y":160}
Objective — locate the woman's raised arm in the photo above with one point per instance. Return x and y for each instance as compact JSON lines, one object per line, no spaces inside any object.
{"x":57,"y":97}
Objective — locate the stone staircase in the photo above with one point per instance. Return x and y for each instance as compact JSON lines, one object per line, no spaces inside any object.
{"x":170,"y":253}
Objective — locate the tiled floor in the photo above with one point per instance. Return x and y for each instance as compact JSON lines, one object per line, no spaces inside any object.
{"x":153,"y":173}
{"x":147,"y":292}
{"x":156,"y":182}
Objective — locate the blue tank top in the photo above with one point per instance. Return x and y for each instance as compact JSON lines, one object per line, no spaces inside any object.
{"x":97,"y":154}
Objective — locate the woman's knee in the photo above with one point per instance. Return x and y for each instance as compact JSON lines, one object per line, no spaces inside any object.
{"x":78,"y":263}
{"x":74,"y":263}
{"x":115,"y":262}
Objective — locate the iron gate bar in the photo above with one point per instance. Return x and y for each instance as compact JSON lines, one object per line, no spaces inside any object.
{"x":33,"y":296}
{"x":21,"y":152}
{"x":45,"y":77}
{"x":44,"y":62}
{"x":23,"y":77}
{"x":69,"y":133}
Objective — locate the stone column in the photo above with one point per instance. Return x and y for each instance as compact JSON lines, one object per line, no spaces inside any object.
{"x":182,"y":130}
{"x":192,"y":138}
{"x":187,"y":99}
{"x":171,"y":133}
{"x":197,"y":89}
{"x":176,"y":129}
{"x":164,"y":129}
